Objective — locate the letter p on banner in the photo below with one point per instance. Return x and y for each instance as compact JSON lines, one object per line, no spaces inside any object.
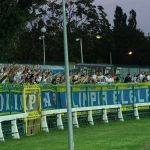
{"x":32,"y":105}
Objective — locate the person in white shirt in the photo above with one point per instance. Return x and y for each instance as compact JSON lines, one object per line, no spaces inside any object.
{"x":141,"y":76}
{"x":148,"y":77}
{"x":109,"y":79}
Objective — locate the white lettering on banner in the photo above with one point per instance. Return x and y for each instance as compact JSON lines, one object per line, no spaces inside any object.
{"x":73,"y":101}
{"x":46,"y":100}
{"x":122,"y":97}
{"x":7,"y":102}
{"x":135,"y":97}
{"x":131,"y":96}
{"x":54,"y":98}
{"x":98,"y":99}
{"x":1,"y":102}
{"x":32,"y":99}
{"x":14,"y":103}
{"x":115,"y":97}
{"x":147,"y":95}
{"x":85,"y":97}
{"x":104,"y":97}
{"x":16,"y":99}
{"x":93,"y":98}
{"x":140,"y":100}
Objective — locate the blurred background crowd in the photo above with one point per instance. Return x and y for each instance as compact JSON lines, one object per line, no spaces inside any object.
{"x":35,"y":75}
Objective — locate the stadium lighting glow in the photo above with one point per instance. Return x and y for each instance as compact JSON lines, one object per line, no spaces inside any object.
{"x":130,"y":52}
{"x":43,"y":29}
{"x":77,"y":39}
{"x":98,"y":36}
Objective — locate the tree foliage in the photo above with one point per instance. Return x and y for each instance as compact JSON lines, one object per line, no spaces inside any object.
{"x":21,"y":21}
{"x":13,"y":18}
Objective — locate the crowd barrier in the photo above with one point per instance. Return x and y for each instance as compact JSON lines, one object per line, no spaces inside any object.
{"x":37,"y":102}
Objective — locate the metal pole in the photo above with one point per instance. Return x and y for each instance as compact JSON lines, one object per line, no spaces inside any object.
{"x":110,"y":56}
{"x":69,"y":110}
{"x":43,"y":37}
{"x":81,"y":50}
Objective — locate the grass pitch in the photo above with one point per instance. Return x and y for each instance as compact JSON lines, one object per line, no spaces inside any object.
{"x":128,"y":135}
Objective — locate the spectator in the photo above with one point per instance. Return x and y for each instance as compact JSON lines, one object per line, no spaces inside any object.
{"x":127,"y":78}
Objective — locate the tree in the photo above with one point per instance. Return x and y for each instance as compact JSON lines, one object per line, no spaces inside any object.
{"x":132,"y":20}
{"x":13,"y":18}
{"x":120,"y":34}
{"x":120,"y":19}
{"x":21,"y":21}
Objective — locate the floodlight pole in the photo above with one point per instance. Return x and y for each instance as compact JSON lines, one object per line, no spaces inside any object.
{"x":43,"y":30}
{"x":110,"y":58}
{"x":81,"y":47}
{"x":43,"y":49}
{"x":69,"y":110}
{"x":81,"y":50}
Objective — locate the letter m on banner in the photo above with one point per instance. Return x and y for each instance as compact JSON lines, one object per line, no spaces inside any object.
{"x":32,"y":105}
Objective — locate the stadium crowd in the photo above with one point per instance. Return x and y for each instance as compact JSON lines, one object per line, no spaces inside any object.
{"x":35,"y":75}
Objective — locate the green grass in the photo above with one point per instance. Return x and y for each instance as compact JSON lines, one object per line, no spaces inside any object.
{"x":128,"y":135}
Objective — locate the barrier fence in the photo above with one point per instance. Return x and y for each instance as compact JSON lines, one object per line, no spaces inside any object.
{"x":36,"y":105}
